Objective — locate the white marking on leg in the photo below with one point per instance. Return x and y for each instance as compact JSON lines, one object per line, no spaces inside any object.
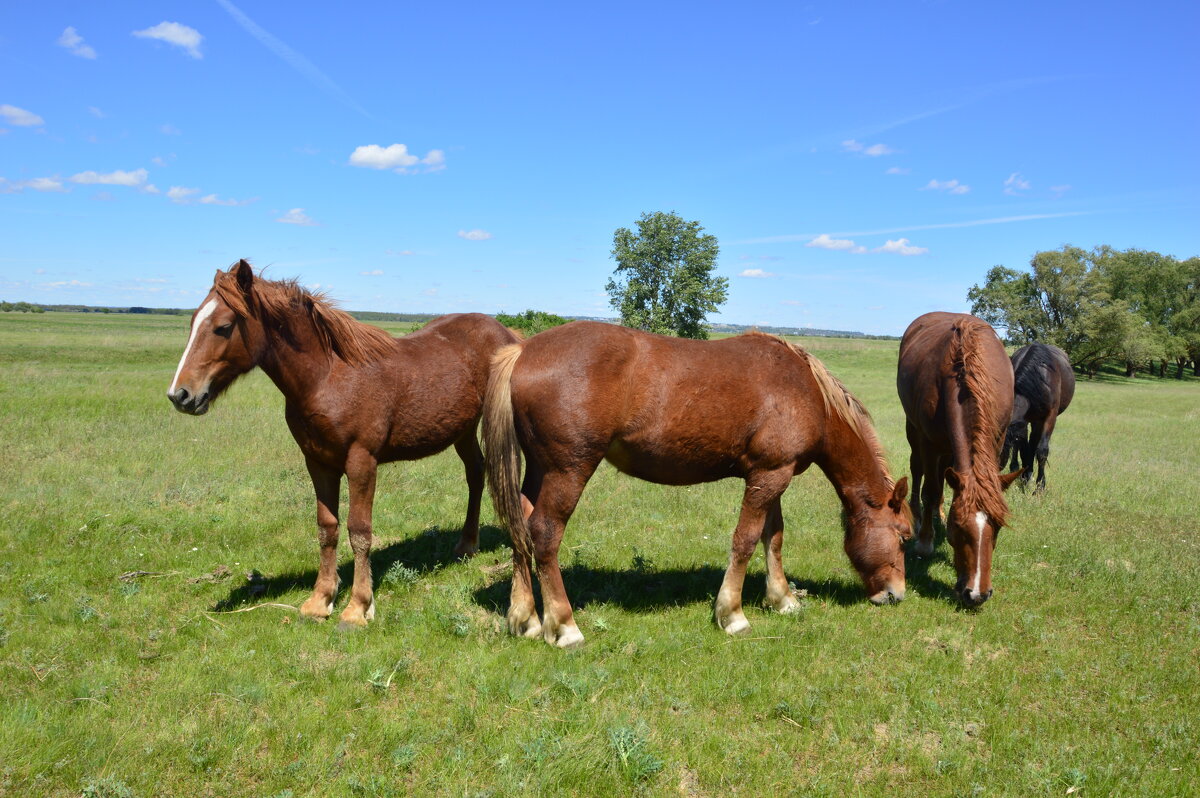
{"x":204,"y":313}
{"x":371,"y":611}
{"x":329,"y":608}
{"x":569,"y":636}
{"x":737,"y":624}
{"x":980,"y":520}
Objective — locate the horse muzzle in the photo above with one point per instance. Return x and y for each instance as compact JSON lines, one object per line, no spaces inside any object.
{"x":187,"y":402}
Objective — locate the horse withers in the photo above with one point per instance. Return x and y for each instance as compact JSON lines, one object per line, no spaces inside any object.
{"x":1044,"y":385}
{"x":679,"y":412}
{"x":956,"y":385}
{"x":355,"y":397}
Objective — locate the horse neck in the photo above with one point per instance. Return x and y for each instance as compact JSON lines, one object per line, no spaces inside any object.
{"x":293,"y":357}
{"x":852,"y":465}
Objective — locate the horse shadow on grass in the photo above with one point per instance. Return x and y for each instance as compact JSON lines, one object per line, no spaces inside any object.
{"x":428,"y":550}
{"x":916,"y":573}
{"x":648,"y":590}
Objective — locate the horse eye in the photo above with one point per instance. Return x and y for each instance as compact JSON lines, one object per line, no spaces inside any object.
{"x":225,"y":330}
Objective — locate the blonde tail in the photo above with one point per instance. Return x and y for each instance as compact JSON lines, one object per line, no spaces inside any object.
{"x":502,"y":451}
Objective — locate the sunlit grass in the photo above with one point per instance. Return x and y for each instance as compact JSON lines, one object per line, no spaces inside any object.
{"x":1080,"y":674}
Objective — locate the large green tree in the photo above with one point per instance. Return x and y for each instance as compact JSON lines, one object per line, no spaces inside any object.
{"x":664,"y":279}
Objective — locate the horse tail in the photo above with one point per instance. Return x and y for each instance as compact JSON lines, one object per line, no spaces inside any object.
{"x":502,"y":451}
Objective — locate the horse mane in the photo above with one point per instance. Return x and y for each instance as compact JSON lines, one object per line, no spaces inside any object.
{"x":279,"y":303}
{"x":839,"y":401}
{"x":984,"y":489}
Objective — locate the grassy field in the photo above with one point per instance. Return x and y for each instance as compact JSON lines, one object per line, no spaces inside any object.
{"x":194,"y":678}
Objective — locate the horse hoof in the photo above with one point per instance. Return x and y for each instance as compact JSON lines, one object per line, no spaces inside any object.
{"x":464,"y":552}
{"x":737,"y":625}
{"x":569,"y":637}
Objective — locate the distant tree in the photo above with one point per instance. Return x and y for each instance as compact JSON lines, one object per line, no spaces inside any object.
{"x":664,"y":281}
{"x":531,"y":322}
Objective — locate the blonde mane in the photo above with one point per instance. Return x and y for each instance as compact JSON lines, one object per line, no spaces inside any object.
{"x":984,"y":489}
{"x":276,"y":303}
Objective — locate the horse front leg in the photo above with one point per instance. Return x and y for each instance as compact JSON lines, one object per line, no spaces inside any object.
{"x":360,"y":475}
{"x":468,"y":450}
{"x":327,"y":484}
{"x":762,"y":492}
{"x":931,"y":505}
{"x":779,"y":593}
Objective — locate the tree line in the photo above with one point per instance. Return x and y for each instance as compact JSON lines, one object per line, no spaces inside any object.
{"x":1133,"y":308}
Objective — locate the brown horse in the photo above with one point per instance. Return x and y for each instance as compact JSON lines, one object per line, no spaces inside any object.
{"x":956,"y":385}
{"x":679,"y":412}
{"x":1044,"y":387}
{"x":355,"y":397}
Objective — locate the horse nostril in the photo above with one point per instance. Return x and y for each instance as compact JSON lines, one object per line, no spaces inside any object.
{"x":180,"y":396}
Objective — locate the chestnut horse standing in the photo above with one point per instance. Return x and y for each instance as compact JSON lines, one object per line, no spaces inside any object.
{"x":355,"y":397}
{"x":956,"y":385}
{"x":679,"y":412}
{"x":1044,"y":387}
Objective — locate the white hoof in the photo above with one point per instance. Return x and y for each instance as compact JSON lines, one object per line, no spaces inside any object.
{"x":530,"y":627}
{"x":569,"y":637}
{"x":786,"y":605}
{"x":370,"y":615}
{"x":736,"y":624}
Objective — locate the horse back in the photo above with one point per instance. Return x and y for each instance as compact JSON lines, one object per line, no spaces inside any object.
{"x":669,"y":410}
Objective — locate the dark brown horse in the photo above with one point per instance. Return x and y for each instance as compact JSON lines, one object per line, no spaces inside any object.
{"x":355,"y":397}
{"x":1044,"y":386}
{"x":956,"y":385}
{"x":679,"y":412}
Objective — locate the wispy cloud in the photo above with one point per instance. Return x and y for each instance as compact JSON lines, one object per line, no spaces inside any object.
{"x":824,"y":241}
{"x":949,"y":186}
{"x":898,"y":170}
{"x":400,"y":252}
{"x":96,"y":112}
{"x":173,"y":33}
{"x":181,"y":194}
{"x":292,"y":58}
{"x":1015,"y":184}
{"x":20,"y":117}
{"x":73,"y":43}
{"x":213,"y":199}
{"x":1058,"y":191}
{"x":474,"y":235}
{"x":873,"y":151}
{"x":781,"y":239}
{"x":372,"y":273}
{"x":759,"y":273}
{"x":901,"y":246}
{"x":169,"y":130}
{"x":34,"y":184}
{"x":297,"y":216}
{"x":118,"y":177}
{"x":397,"y":158}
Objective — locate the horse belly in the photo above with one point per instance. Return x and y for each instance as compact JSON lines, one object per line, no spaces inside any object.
{"x":670,"y":465}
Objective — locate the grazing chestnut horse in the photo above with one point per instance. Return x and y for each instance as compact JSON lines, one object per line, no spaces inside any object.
{"x":679,"y":412}
{"x":956,"y":385}
{"x":1044,"y":386}
{"x":355,"y":397}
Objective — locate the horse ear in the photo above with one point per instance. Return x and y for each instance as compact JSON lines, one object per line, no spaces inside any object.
{"x":954,"y":480}
{"x":245,"y":275}
{"x":899,"y":493}
{"x":1010,"y":478}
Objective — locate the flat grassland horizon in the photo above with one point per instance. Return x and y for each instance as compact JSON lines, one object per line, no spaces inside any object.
{"x":150,"y":564}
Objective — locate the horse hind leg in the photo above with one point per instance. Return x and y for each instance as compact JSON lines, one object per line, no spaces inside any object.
{"x":931,"y":506}
{"x":1043,"y":454}
{"x":779,"y":593}
{"x":468,"y":450}
{"x":327,"y":485}
{"x":555,"y":502}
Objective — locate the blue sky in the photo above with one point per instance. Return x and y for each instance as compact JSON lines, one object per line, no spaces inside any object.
{"x":860,"y":163}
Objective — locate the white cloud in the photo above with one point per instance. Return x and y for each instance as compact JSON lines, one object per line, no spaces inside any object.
{"x":755,"y":273}
{"x":951,"y":186}
{"x":874,"y":151}
{"x":896,"y":170}
{"x":73,"y":42}
{"x":174,"y":33}
{"x":901,"y":246}
{"x":823,"y":241}
{"x":169,"y":130}
{"x":297,"y":216}
{"x":96,"y":112}
{"x":150,"y":188}
{"x":474,"y":235}
{"x":181,"y":194}
{"x":1015,"y":184}
{"x":20,"y":117}
{"x":66,"y":284}
{"x":1058,"y":191}
{"x":158,"y":160}
{"x":115,"y":178}
{"x":35,"y":183}
{"x":372,"y":273}
{"x":397,"y":158}
{"x":213,"y":199}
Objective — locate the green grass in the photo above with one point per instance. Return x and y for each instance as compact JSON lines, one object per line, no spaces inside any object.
{"x":1079,"y":675}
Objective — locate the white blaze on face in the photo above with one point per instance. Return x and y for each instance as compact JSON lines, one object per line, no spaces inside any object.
{"x":980,"y":521}
{"x":203,"y":314}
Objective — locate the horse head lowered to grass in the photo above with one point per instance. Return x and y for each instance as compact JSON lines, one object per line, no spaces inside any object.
{"x":355,"y":397}
{"x":680,"y":412}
